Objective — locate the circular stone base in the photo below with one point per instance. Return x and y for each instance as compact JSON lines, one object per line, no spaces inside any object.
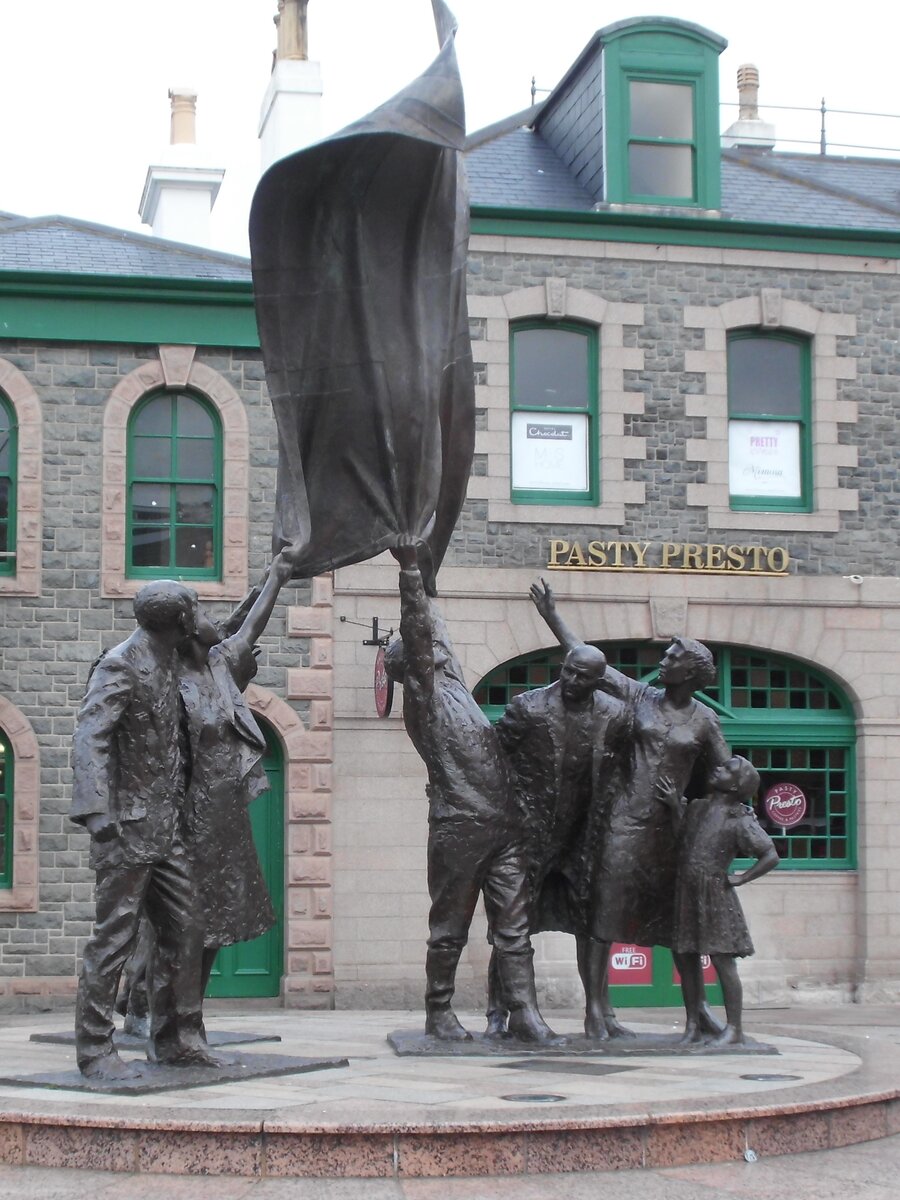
{"x":387,"y":1116}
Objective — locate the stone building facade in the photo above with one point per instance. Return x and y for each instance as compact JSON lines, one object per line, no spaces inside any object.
{"x":798,"y":596}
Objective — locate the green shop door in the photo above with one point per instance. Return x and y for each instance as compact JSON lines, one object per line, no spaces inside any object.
{"x":253,"y":969}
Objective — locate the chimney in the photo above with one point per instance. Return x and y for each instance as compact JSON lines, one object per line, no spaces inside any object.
{"x":748,"y":130}
{"x":291,"y":114}
{"x":180,"y":191}
{"x":184,"y":116}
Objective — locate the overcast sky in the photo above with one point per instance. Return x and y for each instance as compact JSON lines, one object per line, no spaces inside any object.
{"x":83,"y":87}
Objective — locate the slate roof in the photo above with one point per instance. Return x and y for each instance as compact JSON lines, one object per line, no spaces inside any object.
{"x":516,"y":167}
{"x":63,"y":245}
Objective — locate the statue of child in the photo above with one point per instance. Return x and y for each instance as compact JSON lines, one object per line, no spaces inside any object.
{"x":713,"y":831}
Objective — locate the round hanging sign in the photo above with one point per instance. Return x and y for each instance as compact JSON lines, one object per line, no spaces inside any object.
{"x":384,"y":686}
{"x":785,"y":804}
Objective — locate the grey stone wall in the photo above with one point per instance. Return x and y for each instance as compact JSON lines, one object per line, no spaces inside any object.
{"x":867,"y":541}
{"x":47,"y":643}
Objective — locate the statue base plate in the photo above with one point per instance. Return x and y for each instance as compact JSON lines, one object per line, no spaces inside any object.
{"x":128,"y":1041}
{"x":416,"y":1043}
{"x":158,"y":1077}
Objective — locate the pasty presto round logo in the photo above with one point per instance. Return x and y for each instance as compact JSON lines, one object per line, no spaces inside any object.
{"x":785,"y":804}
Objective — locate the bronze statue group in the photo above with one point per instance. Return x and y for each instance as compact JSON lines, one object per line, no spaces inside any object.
{"x":167,"y":756}
{"x":570,"y":814}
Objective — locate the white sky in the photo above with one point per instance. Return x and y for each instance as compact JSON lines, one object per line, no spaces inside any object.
{"x":83,"y":87}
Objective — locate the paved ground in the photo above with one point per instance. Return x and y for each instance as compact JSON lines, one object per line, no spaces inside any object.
{"x":866,"y":1172}
{"x":380,"y":1087}
{"x":869,"y":1171}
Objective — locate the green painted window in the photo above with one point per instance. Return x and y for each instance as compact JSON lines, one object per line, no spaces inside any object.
{"x":8,"y":474}
{"x":769,"y":422}
{"x":662,"y":147}
{"x":790,"y":720}
{"x":174,"y":488}
{"x":6,"y":812}
{"x":553,"y":419}
{"x":661,"y":117}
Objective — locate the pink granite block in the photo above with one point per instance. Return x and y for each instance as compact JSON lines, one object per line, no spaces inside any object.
{"x":12,"y":1144}
{"x":790,"y":1133}
{"x":187,"y":1152}
{"x":694,"y":1142}
{"x":893,"y":1116}
{"x":584,"y":1150}
{"x":329,"y":1156}
{"x":423,"y":1155}
{"x":859,"y":1123}
{"x":85,"y":1148}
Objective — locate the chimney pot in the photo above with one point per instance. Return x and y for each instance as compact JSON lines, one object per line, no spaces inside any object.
{"x":184,"y":116}
{"x":748,"y":92}
{"x":748,"y":130}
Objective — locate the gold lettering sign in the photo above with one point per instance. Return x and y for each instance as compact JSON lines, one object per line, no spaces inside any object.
{"x":711,"y":559}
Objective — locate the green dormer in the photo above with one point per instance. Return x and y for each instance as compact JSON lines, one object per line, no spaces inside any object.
{"x":636,"y":118}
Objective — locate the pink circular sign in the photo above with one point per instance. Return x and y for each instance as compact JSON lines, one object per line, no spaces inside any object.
{"x":384,"y":686}
{"x":785,"y":804}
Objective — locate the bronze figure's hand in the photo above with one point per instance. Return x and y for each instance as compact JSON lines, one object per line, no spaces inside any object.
{"x":543,"y":599}
{"x":667,"y":792}
{"x":406,"y":552}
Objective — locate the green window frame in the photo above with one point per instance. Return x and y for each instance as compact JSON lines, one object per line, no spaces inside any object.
{"x":644,"y":133}
{"x":770,"y":401}
{"x":174,"y":488}
{"x":789,"y":719}
{"x":657,"y":148}
{"x":6,"y":812}
{"x":8,"y":489}
{"x":554,"y":413}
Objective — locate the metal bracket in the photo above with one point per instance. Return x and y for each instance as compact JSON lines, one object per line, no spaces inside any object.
{"x":377,"y":638}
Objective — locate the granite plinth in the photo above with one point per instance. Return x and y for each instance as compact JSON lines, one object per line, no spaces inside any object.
{"x":161,"y":1077}
{"x":129,"y":1041}
{"x":392,"y":1117}
{"x":416,"y":1043}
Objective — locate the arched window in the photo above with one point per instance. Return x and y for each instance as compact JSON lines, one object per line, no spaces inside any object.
{"x":769,"y":421}
{"x":791,"y":721}
{"x":6,"y":812}
{"x":174,"y":503}
{"x":553,"y":420}
{"x":8,"y":471}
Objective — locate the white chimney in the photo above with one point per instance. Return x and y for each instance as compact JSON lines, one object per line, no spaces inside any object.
{"x":748,"y":130}
{"x":180,"y":191}
{"x":291,"y":113}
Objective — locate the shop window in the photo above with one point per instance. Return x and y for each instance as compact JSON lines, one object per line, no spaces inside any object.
{"x":174,"y":525}
{"x":769,"y":438}
{"x":553,"y":422}
{"x":8,"y":473}
{"x":789,"y":720}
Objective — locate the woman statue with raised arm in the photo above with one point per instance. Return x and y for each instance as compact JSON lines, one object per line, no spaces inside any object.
{"x":676,"y":739}
{"x":226,"y":748}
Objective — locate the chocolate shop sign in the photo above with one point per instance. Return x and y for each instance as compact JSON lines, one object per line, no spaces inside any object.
{"x":711,"y":559}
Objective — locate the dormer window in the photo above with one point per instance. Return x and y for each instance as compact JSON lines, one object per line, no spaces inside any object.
{"x":635,"y":120}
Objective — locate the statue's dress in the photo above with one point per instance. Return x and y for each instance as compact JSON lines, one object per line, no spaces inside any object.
{"x":708,"y":915}
{"x":633,"y":889}
{"x":226,"y":748}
